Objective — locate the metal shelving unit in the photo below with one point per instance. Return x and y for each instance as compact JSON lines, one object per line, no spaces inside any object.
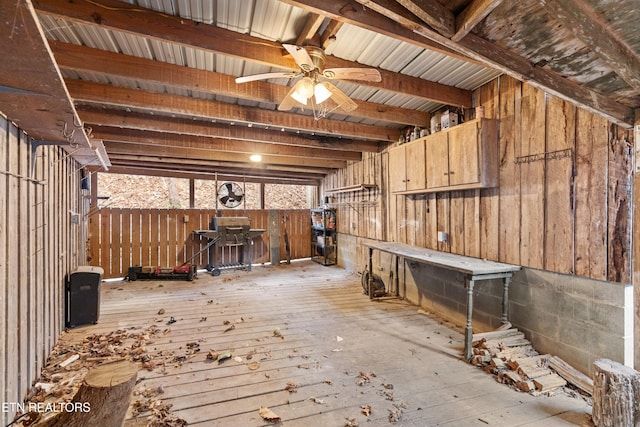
{"x":324,"y":242}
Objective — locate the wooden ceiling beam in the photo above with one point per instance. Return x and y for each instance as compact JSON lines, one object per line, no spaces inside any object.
{"x":472,"y":15}
{"x":351,"y":12}
{"x":206,"y":176}
{"x":310,"y":30}
{"x":432,"y":13}
{"x":178,"y":152}
{"x":100,"y":94}
{"x":160,"y":140}
{"x":588,"y":25}
{"x":116,"y":15}
{"x":221,"y":167}
{"x":494,"y":56}
{"x":96,"y":117}
{"x":83,"y":58}
{"x":329,"y":33}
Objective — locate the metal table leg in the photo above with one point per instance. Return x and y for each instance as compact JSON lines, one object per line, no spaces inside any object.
{"x":505,"y":300}
{"x":468,"y":332}
{"x":370,"y":281}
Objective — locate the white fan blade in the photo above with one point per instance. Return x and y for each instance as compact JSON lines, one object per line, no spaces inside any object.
{"x":265,"y":76}
{"x":288,"y":102}
{"x":339,"y":97}
{"x":366,"y":74}
{"x":301,"y":56}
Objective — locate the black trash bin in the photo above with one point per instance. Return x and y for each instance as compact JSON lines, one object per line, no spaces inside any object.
{"x":82,"y":296}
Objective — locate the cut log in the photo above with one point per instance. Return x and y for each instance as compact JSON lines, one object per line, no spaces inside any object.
{"x":480,"y":359}
{"x":103,"y":397}
{"x":509,"y":377}
{"x":616,"y":389}
{"x":549,"y":382}
{"x":533,"y":372}
{"x":571,"y":374}
{"x":526,"y":386}
{"x":498,"y":363}
{"x":497,"y":334}
{"x":517,"y":362}
{"x":509,"y":353}
{"x":504,"y":326}
{"x":512,"y":341}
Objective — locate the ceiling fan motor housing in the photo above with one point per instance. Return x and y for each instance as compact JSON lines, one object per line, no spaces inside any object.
{"x":317,"y":56}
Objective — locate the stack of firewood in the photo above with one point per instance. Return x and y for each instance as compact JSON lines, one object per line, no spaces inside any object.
{"x":507,"y":354}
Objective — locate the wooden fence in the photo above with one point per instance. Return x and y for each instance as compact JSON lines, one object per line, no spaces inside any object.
{"x":121,"y":238}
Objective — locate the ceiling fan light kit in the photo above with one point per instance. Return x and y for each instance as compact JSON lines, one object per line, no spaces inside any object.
{"x":313,"y":85}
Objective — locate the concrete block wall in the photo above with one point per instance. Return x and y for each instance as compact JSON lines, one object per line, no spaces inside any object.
{"x":578,"y":319}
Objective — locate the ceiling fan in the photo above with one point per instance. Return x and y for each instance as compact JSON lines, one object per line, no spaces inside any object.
{"x":313,"y":87}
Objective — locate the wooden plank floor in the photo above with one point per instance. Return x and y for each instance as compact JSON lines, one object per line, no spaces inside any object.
{"x":339,"y":349}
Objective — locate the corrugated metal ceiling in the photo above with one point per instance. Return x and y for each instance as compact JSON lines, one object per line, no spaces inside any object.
{"x":274,"y":21}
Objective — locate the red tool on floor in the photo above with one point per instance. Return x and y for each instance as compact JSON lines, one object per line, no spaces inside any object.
{"x":186,"y":271}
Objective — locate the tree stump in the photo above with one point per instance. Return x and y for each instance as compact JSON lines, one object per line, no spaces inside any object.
{"x":616,"y":394}
{"x":103,"y":397}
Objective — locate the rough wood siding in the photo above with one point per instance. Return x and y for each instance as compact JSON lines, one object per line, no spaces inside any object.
{"x":39,"y":245}
{"x":564,"y":198}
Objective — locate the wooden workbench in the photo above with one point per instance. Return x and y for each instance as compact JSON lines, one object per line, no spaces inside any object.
{"x":474,"y":270}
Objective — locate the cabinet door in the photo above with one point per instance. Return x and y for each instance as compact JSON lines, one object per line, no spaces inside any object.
{"x":415,"y":165}
{"x":464,"y":156}
{"x":437,"y":153}
{"x":397,"y":169}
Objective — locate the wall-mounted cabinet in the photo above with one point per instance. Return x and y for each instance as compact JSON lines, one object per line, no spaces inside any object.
{"x":459,"y":158}
{"x":408,"y":167}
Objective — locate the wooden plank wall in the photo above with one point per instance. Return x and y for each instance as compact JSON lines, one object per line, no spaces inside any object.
{"x":563,"y":203}
{"x":121,"y":238}
{"x":39,"y":245}
{"x":360,"y":213}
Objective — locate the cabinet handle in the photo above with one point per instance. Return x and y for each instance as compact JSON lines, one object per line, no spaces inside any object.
{"x":452,"y":172}
{"x":446,"y":173}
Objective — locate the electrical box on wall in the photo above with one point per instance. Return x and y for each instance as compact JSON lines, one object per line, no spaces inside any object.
{"x":442,"y":236}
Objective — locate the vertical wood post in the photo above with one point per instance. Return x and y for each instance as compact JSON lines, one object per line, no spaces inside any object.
{"x":274,"y":236}
{"x":192,"y":193}
{"x":635,"y":236}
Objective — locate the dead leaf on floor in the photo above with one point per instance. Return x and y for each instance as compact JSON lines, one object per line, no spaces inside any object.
{"x":350,"y":422}
{"x":268,"y":414}
{"x":366,"y":410}
{"x":203,"y":319}
{"x":212,"y":355}
{"x":316,"y":400}
{"x":230,"y":328}
{"x":362,"y":379}
{"x":226,"y":322}
{"x":396,"y":413}
{"x":253,"y":366}
{"x":303,"y":366}
{"x":161,"y":311}
{"x":238,"y":359}
{"x":292,"y":387}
